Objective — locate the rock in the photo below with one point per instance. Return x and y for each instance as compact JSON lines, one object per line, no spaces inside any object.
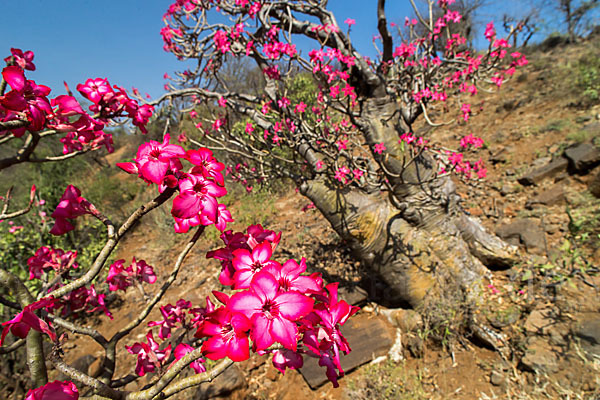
{"x":414,"y":344}
{"x":406,"y":320}
{"x":353,"y":295}
{"x":536,"y":174}
{"x":507,"y":189}
{"x":587,"y":329}
{"x":540,"y":357}
{"x":497,"y":378}
{"x":229,"y":381}
{"x":539,"y":322}
{"x":523,"y":231}
{"x":369,"y":337}
{"x":550,"y":197}
{"x":582,"y":157}
{"x":594,"y":185}
{"x":500,"y":155}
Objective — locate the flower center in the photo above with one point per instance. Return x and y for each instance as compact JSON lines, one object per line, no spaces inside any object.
{"x":270,"y":309}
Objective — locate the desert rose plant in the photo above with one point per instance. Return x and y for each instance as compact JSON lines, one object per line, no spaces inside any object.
{"x":335,"y":122}
{"x":341,"y":126}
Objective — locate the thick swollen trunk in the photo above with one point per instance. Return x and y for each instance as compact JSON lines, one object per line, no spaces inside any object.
{"x":415,"y":237}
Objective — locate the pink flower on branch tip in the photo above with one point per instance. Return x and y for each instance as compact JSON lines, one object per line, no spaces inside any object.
{"x":350,"y":22}
{"x":247,"y":264}
{"x":379,"y":148}
{"x":70,"y":206}
{"x":23,"y":59}
{"x":272,"y":313}
{"x":155,"y":160}
{"x":289,"y":276}
{"x":150,"y":357}
{"x":120,"y":278}
{"x":57,"y":390}
{"x":227,"y":334}
{"x":172,"y":316}
{"x":181,"y":350}
{"x":284,"y":358}
{"x":197,"y":195}
{"x":26,"y":320}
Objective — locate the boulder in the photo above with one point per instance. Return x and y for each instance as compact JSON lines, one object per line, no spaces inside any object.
{"x":539,"y":322}
{"x":554,"y":195}
{"x":587,"y":330}
{"x":582,"y":157}
{"x":537,"y":174}
{"x":524,"y":231}
{"x":539,"y":357}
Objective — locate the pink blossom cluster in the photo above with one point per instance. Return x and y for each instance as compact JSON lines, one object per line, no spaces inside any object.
{"x":111,"y":103}
{"x":80,"y":300}
{"x":282,"y":312}
{"x":120,"y":278}
{"x":458,"y":164}
{"x":48,"y":258}
{"x":199,"y":187}
{"x":471,"y":140}
{"x":151,"y":357}
{"x":71,"y":205}
{"x":29,"y":101}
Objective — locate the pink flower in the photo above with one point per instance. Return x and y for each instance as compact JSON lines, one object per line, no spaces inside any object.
{"x":23,"y":60}
{"x":490,"y":31}
{"x":143,"y":272}
{"x":155,"y":159}
{"x":197,"y":195}
{"x":285,"y":358}
{"x":25,"y":97}
{"x":172,"y":315}
{"x":466,"y":110}
{"x":227,"y":334}
{"x":94,"y":89}
{"x":222,"y":101}
{"x":150,"y":357}
{"x":26,"y":320}
{"x":70,"y":206}
{"x":300,"y":107}
{"x":271,"y":312}
{"x":350,"y":22}
{"x":206,"y":164}
{"x":119,"y":277}
{"x":289,"y":277}
{"x":247,"y":264}
{"x":56,"y":390}
{"x":181,"y":350}
{"x":249,"y":128}
{"x":379,"y":148}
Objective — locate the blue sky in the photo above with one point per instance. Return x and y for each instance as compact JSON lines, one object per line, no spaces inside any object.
{"x":78,"y":39}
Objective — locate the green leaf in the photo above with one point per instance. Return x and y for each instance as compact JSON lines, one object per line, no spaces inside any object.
{"x":527,"y":275}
